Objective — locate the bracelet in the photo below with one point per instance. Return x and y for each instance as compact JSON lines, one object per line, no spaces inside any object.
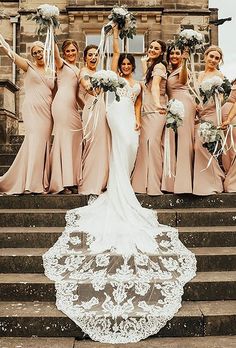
{"x":116,"y":37}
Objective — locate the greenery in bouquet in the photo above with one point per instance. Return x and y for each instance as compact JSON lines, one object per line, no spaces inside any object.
{"x":211,"y":137}
{"x":125,"y":21}
{"x":215,"y":85}
{"x":106,"y":80}
{"x":46,"y":16}
{"x":175,"y":114}
{"x":191,"y":39}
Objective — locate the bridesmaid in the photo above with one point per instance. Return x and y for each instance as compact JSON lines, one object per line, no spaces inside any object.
{"x":148,"y":168}
{"x":182,"y":159}
{"x":230,"y":180}
{"x":228,"y":158}
{"x":29,"y":172}
{"x":66,"y":151}
{"x":95,"y":157}
{"x":209,"y":180}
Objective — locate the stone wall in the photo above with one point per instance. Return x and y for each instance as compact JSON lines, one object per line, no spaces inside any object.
{"x":160,"y":19}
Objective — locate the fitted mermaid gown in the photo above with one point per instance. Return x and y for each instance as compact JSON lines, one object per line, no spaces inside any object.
{"x":119,"y":273}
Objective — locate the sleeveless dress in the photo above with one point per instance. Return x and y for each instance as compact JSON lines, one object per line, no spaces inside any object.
{"x":30,"y":170}
{"x":207,"y":181}
{"x":182,"y":152}
{"x":229,"y":159}
{"x":66,"y":153}
{"x":95,"y":158}
{"x":119,"y":273}
{"x":148,"y":168}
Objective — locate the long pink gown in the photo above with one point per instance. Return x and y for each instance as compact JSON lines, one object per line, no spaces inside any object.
{"x":147,"y":173}
{"x":65,"y":157}
{"x":30,"y":169}
{"x":182,"y":159}
{"x":95,"y":158}
{"x":207,"y":181}
{"x":229,"y":159}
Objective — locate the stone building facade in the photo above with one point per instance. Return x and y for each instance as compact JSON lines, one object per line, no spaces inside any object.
{"x":82,"y":20}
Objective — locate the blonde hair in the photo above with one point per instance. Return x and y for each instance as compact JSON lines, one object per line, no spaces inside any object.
{"x":214,"y":48}
{"x":36,"y":43}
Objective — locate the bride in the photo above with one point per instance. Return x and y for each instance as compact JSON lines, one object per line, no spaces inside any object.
{"x":119,"y":273}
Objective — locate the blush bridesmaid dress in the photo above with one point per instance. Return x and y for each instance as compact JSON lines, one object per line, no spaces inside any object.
{"x":148,"y":169}
{"x":65,"y":157}
{"x":30,"y":170}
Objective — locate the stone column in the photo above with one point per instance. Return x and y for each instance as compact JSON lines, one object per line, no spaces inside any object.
{"x":8,"y":118}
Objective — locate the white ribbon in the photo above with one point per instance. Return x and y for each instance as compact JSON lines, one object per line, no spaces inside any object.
{"x":195,"y":89}
{"x":49,"y":57}
{"x":5,"y":45}
{"x":167,"y":165}
{"x":93,"y":118}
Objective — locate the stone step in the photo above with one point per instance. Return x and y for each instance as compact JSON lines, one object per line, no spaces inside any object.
{"x":9,"y":148}
{"x":152,"y":342}
{"x":45,"y":237}
{"x":28,"y":260}
{"x":167,"y":201}
{"x":206,"y":286}
{"x":42,"y":319}
{"x":16,"y":139}
{"x":3,"y":169}
{"x":174,"y":217}
{"x":6,"y":159}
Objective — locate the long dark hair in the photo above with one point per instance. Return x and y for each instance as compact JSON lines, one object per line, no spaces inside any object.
{"x":87,"y":48}
{"x":130,"y":58}
{"x":157,"y":60}
{"x":169,"y":49}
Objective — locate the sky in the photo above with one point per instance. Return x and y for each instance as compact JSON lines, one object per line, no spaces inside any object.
{"x":227,"y":35}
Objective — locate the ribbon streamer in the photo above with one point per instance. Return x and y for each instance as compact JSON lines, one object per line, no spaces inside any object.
{"x":166,"y":165}
{"x":194,"y":90}
{"x":49,"y":57}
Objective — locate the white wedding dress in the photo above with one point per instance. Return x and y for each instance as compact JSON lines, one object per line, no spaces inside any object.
{"x":119,"y":274}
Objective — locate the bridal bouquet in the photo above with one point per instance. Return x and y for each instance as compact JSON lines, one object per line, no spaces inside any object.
{"x":47,"y":19}
{"x":215,"y":85}
{"x":211,"y":137}
{"x":46,"y":16}
{"x":125,"y":21}
{"x":191,"y":39}
{"x":175,"y":114}
{"x":107,"y":80}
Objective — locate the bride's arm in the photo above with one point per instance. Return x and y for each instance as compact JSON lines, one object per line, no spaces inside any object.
{"x":137,"y":107}
{"x":116,"y":50}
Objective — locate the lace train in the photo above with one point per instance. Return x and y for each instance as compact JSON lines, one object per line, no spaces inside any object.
{"x":119,"y":274}
{"x":118,"y":298}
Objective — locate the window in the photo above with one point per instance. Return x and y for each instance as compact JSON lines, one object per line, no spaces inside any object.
{"x":134,"y":46}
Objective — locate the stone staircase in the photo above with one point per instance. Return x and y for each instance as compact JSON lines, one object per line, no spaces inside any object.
{"x":30,"y":224}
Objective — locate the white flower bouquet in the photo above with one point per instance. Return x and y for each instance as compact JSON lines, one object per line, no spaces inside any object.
{"x":125,"y":21}
{"x":211,"y":137}
{"x":191,"y":39}
{"x":46,"y":16}
{"x":107,"y":80}
{"x":215,"y":85}
{"x":175,"y":114}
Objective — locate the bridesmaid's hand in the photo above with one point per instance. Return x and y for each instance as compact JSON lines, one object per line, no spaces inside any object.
{"x":161,"y":109}
{"x":225,"y":124}
{"x":138,"y":125}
